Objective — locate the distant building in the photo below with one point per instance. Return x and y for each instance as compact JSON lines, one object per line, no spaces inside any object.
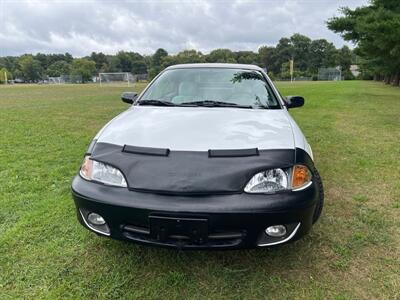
{"x":354,"y":70}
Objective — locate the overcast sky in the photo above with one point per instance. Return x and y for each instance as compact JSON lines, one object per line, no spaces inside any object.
{"x":83,"y":26}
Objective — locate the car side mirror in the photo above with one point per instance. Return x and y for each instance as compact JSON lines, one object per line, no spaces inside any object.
{"x":294,"y":101}
{"x":129,"y":97}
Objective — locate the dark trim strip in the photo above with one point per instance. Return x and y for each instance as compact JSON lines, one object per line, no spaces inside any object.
{"x":233,"y":152}
{"x":146,"y":150}
{"x":91,"y":147}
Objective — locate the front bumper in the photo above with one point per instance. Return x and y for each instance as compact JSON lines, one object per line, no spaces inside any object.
{"x":232,"y":221}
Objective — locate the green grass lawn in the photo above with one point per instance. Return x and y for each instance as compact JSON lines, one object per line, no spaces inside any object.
{"x":353,"y":252}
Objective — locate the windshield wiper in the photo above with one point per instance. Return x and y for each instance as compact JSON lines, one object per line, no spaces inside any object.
{"x":156,"y":103}
{"x":205,"y":103}
{"x":212,"y":103}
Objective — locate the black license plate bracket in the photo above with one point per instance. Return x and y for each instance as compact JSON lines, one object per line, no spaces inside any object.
{"x":193,"y":230}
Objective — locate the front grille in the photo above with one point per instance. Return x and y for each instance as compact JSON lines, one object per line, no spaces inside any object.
{"x":217,"y":239}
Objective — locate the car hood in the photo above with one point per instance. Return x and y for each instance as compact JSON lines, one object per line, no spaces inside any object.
{"x":199,"y":128}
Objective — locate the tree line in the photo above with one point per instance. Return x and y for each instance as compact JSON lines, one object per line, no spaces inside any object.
{"x":308,"y":55}
{"x":375,"y":29}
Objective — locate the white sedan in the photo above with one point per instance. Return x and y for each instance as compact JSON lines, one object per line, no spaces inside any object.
{"x":207,"y":156}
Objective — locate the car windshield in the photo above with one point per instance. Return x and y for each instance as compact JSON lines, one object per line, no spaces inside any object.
{"x":210,"y":87}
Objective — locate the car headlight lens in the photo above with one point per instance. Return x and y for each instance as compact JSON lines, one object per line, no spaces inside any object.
{"x":97,"y":171}
{"x":301,"y":177}
{"x":274,"y":180}
{"x":269,"y":181}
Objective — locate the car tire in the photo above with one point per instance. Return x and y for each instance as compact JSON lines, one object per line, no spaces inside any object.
{"x":320,"y":203}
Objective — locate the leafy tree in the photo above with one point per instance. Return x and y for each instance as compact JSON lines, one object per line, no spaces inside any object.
{"x":124,"y":61}
{"x":10,"y":63}
{"x":83,"y":67}
{"x":4,"y":73}
{"x":131,"y":62}
{"x":59,"y":68}
{"x":344,"y":58}
{"x":265,"y":56}
{"x":297,"y":47}
{"x":189,"y":57}
{"x":283,"y":53}
{"x":221,"y":56}
{"x":67,"y":57}
{"x":246,"y":57}
{"x":43,"y":59}
{"x":322,"y":55}
{"x":183,"y":57}
{"x":3,"y":61}
{"x":376,"y":31}
{"x":99,"y":58}
{"x":139,"y":67}
{"x":112,"y":64}
{"x":158,"y":56}
{"x":300,"y":50}
{"x":30,"y":68}
{"x":308,"y":55}
{"x":367,"y":70}
{"x":49,"y":59}
{"x":156,"y":62}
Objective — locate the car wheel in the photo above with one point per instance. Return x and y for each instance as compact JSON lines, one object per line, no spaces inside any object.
{"x":320,"y":203}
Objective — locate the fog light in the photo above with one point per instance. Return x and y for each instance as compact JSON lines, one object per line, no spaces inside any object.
{"x":276,"y":231}
{"x":96,"y":219}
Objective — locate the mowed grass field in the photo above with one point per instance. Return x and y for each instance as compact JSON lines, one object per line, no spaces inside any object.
{"x":353,"y":252}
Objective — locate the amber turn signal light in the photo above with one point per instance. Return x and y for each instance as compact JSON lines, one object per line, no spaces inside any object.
{"x":300,"y":177}
{"x":86,"y":168}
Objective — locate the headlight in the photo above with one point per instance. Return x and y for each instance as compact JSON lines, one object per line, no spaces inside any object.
{"x":269,"y":181}
{"x":274,"y":180}
{"x":97,"y":171}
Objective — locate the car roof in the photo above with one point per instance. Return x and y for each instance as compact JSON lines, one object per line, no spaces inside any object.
{"x":215,"y":65}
